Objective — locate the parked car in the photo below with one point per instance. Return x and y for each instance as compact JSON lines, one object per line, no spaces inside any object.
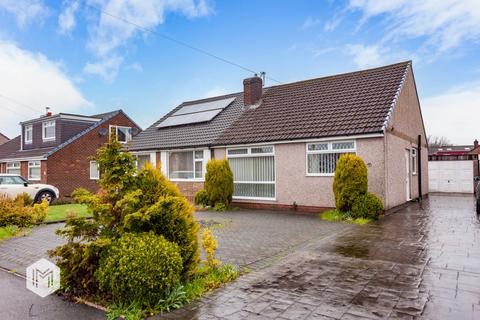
{"x":477,"y":193}
{"x":13,"y":185}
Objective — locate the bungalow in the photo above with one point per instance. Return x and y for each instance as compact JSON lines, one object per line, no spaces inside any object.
{"x":56,"y":149}
{"x":283,"y":142}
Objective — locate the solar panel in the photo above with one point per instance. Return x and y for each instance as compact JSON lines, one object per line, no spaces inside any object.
{"x":195,"y":113}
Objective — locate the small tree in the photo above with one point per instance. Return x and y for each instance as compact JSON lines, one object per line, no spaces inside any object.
{"x":350,"y":181}
{"x":219,"y":182}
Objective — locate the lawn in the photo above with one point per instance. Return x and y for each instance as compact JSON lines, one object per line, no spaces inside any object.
{"x":61,"y":211}
{"x":11,"y":231}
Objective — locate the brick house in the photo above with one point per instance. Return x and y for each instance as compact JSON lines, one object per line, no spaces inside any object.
{"x":283,"y":142}
{"x":56,"y":149}
{"x":3,"y":138}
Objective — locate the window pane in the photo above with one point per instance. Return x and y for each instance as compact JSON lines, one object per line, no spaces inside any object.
{"x":343,"y":145}
{"x":238,"y":151}
{"x":198,"y":169}
{"x":34,"y":173}
{"x":181,"y":165}
{"x":122,"y":134}
{"x":254,"y":190}
{"x":253,"y":169}
{"x":323,"y":163}
{"x":142,"y":160}
{"x":199,"y":154}
{"x":94,"y":173}
{"x":262,"y":150}
{"x":317,"y":146}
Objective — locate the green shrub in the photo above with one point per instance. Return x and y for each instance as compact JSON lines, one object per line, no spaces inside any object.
{"x":350,"y":181}
{"x":154,"y":185}
{"x":201,"y":198}
{"x":172,"y":218}
{"x":140,"y":268}
{"x":219,"y":182}
{"x":15,"y":212}
{"x":368,"y":206}
{"x":24,"y":199}
{"x":220,"y":206}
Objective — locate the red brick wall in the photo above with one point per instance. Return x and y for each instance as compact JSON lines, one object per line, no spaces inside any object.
{"x":24,"y":169}
{"x":69,"y":168}
{"x":189,"y":188}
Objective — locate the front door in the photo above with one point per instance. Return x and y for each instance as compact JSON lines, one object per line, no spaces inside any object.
{"x":407,"y":174}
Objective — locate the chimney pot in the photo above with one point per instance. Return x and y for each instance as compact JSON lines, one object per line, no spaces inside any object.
{"x":475,"y":144}
{"x":252,"y":90}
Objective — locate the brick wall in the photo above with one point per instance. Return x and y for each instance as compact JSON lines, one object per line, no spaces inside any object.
{"x":69,"y":168}
{"x":189,"y":188}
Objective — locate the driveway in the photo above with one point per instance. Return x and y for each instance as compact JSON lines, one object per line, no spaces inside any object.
{"x":422,"y":262}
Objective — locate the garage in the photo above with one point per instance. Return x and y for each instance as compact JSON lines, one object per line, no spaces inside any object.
{"x":451,"y":176}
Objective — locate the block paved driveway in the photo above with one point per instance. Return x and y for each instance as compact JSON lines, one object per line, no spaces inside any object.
{"x":422,"y":262}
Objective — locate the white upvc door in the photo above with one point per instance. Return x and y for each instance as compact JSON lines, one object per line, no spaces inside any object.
{"x":407,"y":174}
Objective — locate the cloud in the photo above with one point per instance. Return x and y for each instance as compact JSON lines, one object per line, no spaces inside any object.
{"x":31,"y":79}
{"x":309,"y":23}
{"x":366,"y":56}
{"x":443,"y":24}
{"x":215,"y":92}
{"x":66,"y":20}
{"x":137,"y":67}
{"x":25,"y":11}
{"x":109,"y":33}
{"x":107,"y":67}
{"x":454,"y":114}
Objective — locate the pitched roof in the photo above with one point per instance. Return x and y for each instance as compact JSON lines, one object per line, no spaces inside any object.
{"x":11,"y":149}
{"x":4,"y":136}
{"x":345,"y":104}
{"x":190,"y":135}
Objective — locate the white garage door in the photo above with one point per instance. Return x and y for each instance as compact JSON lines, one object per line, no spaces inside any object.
{"x":450,"y":176}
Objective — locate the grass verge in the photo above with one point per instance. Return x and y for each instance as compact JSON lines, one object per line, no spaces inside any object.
{"x":337,"y":216}
{"x":12,"y":231}
{"x":62,"y":211}
{"x":206,"y":280}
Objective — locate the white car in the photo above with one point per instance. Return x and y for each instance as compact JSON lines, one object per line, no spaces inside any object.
{"x":13,"y":185}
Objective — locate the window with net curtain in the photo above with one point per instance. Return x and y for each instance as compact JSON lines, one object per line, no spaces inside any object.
{"x":185,"y":165}
{"x":253,"y":172}
{"x":322,"y":157}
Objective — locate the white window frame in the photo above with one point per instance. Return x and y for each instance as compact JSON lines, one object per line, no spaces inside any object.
{"x":152,"y":155}
{"x":16,"y":165}
{"x":49,"y":123}
{"x":129,"y":136}
{"x":206,"y":157}
{"x":35,"y":164}
{"x":328,"y":150}
{"x":28,"y":129}
{"x":249,"y":154}
{"x":414,"y":156}
{"x":94,"y":177}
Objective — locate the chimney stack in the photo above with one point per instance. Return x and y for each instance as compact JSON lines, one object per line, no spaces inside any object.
{"x":475,"y":144}
{"x":252,"y":90}
{"x":48,"y":112}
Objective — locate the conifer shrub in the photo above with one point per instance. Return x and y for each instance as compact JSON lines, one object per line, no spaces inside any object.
{"x":140,"y":268}
{"x":219,"y":182}
{"x":350,"y":181}
{"x":201,"y":198}
{"x":19,"y":211}
{"x":172,"y":218}
{"x":367,"y":206}
{"x":209,"y":244}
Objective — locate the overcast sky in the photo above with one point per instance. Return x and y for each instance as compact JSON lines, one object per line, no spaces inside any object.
{"x":71,"y":57}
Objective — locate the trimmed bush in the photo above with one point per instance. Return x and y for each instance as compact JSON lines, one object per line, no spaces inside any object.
{"x":172,"y":218}
{"x":350,"y":181}
{"x":15,"y":212}
{"x":368,"y":206}
{"x":201,"y":198}
{"x":140,"y":268}
{"x":154,"y":185}
{"x":219,"y":182}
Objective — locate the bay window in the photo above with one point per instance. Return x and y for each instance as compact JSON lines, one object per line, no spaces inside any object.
{"x":34,"y":171}
{"x":13,"y":168}
{"x":186,"y":165}
{"x":253,"y":172}
{"x":322,"y":157}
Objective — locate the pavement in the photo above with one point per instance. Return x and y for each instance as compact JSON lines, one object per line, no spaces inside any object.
{"x":422,"y":262}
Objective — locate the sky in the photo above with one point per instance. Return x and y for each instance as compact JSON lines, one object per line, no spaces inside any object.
{"x":93,"y":56}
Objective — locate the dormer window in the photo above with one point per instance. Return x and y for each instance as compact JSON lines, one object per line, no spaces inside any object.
{"x":28,"y":134}
{"x":48,"y":130}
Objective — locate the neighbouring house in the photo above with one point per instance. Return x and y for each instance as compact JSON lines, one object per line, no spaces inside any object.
{"x":56,"y":149}
{"x":283,"y":142}
{"x":453,"y":168}
{"x":3,"y":138}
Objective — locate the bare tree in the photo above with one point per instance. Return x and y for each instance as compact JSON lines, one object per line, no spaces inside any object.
{"x":435,"y":141}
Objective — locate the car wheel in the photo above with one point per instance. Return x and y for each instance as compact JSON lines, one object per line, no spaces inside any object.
{"x":47,"y":195}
